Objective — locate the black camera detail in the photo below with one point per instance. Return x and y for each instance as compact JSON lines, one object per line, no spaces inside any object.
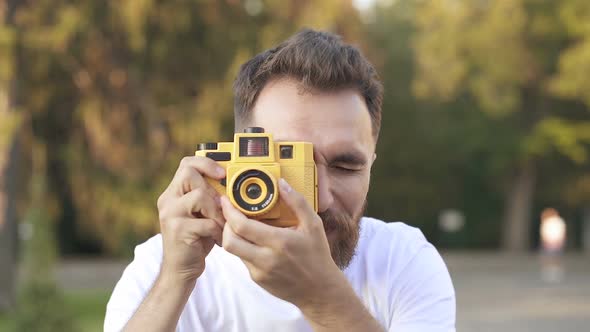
{"x":253,"y":191}
{"x":219,"y":156}
{"x":286,"y":151}
{"x":254,"y":130}
{"x":207,"y":146}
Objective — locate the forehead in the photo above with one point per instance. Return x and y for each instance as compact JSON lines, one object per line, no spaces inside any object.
{"x":331,"y":121}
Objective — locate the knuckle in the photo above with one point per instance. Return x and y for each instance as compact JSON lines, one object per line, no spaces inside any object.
{"x":299,"y":199}
{"x":285,"y":245}
{"x":160,"y":202}
{"x":185,"y":161}
{"x":210,"y":227}
{"x":269,"y":264}
{"x":258,"y":275}
{"x":163,"y":213}
{"x":228,"y":243}
{"x":185,"y":172}
{"x":166,"y":211}
{"x":240,"y":227}
{"x":197,"y":194}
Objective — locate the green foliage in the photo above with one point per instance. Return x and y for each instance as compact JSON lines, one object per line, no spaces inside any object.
{"x":476,"y":47}
{"x":469,"y":96}
{"x":571,"y":138}
{"x":120,"y":91}
{"x":41,"y":309}
{"x":86,"y":308}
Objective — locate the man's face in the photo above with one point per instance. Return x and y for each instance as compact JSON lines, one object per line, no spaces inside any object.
{"x":339,"y":126}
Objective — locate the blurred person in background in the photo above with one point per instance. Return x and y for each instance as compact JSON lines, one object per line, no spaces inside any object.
{"x":213,"y":269}
{"x":553,"y":237}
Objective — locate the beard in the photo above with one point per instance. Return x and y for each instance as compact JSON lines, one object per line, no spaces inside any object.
{"x":345,"y":232}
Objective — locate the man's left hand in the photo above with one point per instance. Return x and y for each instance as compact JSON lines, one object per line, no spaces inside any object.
{"x":294,"y":263}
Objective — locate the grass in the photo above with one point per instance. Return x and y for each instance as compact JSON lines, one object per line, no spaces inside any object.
{"x":87,"y":307}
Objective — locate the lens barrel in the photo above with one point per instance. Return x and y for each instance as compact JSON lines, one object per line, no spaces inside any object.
{"x":254,"y":191}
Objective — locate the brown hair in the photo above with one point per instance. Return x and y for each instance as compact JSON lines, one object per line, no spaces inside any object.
{"x":320,"y":62}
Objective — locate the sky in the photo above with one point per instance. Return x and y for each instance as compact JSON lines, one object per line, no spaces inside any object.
{"x":363,"y":4}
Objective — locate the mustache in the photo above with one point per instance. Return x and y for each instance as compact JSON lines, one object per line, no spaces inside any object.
{"x":334,"y":220}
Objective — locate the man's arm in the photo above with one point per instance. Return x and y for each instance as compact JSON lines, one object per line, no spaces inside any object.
{"x":190,"y":223}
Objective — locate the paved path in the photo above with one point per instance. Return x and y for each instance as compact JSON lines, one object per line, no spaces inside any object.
{"x":495,"y":292}
{"x":502,"y":292}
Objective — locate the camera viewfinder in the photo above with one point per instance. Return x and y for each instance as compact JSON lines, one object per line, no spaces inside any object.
{"x":286,"y":151}
{"x":253,"y":146}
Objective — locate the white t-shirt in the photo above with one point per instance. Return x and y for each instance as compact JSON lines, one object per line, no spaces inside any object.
{"x":398,"y":275}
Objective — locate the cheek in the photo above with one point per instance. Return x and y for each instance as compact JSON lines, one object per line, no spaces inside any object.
{"x":350,"y":191}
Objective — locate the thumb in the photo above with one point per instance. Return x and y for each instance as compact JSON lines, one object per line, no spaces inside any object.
{"x":300,"y":207}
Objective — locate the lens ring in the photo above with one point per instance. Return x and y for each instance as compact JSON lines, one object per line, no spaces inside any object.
{"x":246,"y":184}
{"x":263,"y":203}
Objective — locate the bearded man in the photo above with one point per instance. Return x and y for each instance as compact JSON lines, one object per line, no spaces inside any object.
{"x":214,"y":269}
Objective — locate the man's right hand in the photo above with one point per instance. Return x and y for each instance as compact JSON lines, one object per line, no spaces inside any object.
{"x":191,"y":221}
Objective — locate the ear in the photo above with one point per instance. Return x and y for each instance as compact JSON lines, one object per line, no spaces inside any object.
{"x":372,"y":162}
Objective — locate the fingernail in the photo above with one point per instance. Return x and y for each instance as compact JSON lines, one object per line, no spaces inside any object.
{"x":220,"y":171}
{"x":284,"y":185}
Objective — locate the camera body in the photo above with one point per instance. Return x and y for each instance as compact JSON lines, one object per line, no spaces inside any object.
{"x":254,"y":163}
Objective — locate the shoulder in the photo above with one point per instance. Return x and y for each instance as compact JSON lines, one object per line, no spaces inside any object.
{"x":147,"y":258}
{"x":409,"y":274}
{"x":396,"y":247}
{"x":150,"y":249}
{"x":392,"y":241}
{"x":137,"y":279}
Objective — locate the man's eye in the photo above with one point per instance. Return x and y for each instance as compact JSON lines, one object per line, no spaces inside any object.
{"x":345,"y":169}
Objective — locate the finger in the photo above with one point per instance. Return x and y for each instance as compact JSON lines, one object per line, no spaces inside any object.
{"x":191,"y":171}
{"x":186,"y":180}
{"x":301,"y":208}
{"x":198,"y":203}
{"x":191,"y":230}
{"x":235,"y":244}
{"x":251,"y":230}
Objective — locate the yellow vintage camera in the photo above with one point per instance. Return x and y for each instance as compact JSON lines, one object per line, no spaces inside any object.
{"x":254,"y":164}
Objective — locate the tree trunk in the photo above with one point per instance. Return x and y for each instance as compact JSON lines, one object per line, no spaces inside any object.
{"x":9,"y":159}
{"x":518,"y":206}
{"x":8,"y":223}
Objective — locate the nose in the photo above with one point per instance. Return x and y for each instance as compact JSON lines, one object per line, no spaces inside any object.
{"x":325,"y":197}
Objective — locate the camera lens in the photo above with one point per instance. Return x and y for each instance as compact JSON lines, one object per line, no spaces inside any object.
{"x":253,"y":191}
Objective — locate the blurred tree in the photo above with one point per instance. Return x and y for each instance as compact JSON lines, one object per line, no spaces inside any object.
{"x":572,"y":81}
{"x":9,"y":152}
{"x":119,"y":91}
{"x":424,"y":163}
{"x":40,"y":305}
{"x":504,"y":54}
